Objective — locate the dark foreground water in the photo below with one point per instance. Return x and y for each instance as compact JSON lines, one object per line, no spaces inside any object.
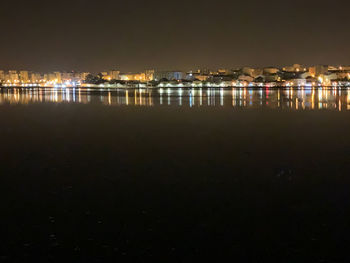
{"x":93,"y":183}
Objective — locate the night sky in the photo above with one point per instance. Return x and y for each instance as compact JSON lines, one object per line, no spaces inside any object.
{"x":89,"y":35}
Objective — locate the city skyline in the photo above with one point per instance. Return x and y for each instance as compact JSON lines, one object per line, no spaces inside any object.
{"x":288,"y":76}
{"x":192,"y":69}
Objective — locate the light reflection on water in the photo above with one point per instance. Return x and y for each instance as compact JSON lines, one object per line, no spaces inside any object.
{"x":293,"y":98}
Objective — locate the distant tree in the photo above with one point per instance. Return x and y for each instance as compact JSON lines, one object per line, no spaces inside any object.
{"x":259,"y":79}
{"x":153,"y":83}
{"x":91,"y":79}
{"x":116,"y":81}
{"x":100,"y":76}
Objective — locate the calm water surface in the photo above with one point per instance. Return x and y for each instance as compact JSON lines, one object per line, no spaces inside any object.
{"x":292,"y":98}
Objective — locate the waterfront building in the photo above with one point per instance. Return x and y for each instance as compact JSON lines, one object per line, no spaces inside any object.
{"x":257,"y":72}
{"x":305,"y":75}
{"x":343,"y":75}
{"x":13,"y":77}
{"x":201,"y":77}
{"x":149,"y":75}
{"x":114,"y":74}
{"x":315,"y":71}
{"x":24,"y":76}
{"x":206,"y":71}
{"x":2,"y":76}
{"x":345,"y":68}
{"x":133,"y":77}
{"x":248,"y":71}
{"x":83,"y":75}
{"x":253,"y":72}
{"x":78,"y":77}
{"x":270,"y":70}
{"x":67,"y":76}
{"x":35,"y":78}
{"x":297,"y":82}
{"x":50,"y":77}
{"x":343,"y":72}
{"x":58,"y":77}
{"x":197,"y":76}
{"x":245,"y":78}
{"x":333,"y":68}
{"x":327,"y":78}
{"x":221,"y":71}
{"x":105,"y":75}
{"x":295,"y":68}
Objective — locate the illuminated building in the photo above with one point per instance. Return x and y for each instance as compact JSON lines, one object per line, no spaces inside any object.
{"x":52,"y":77}
{"x":196,"y":76}
{"x":79,"y":77}
{"x":245,"y":78}
{"x":105,"y":76}
{"x":24,"y":76}
{"x":133,"y":77}
{"x":317,"y":70}
{"x":270,"y":71}
{"x":248,"y":71}
{"x":201,"y":77}
{"x":253,"y":72}
{"x":295,"y":68}
{"x":149,"y":75}
{"x":2,"y":76}
{"x":345,"y":68}
{"x":114,"y":74}
{"x":326,"y":79}
{"x":13,"y":76}
{"x":67,"y":76}
{"x":305,"y":75}
{"x":297,"y":82}
{"x":343,"y":72}
{"x":206,"y":71}
{"x":35,"y":78}
{"x":58,"y":77}
{"x":83,"y":75}
{"x":220,"y":71}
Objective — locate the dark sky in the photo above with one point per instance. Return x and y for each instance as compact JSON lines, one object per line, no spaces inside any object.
{"x":91,"y":35}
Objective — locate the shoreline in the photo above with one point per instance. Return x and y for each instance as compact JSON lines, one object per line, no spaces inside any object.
{"x":175,"y":87}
